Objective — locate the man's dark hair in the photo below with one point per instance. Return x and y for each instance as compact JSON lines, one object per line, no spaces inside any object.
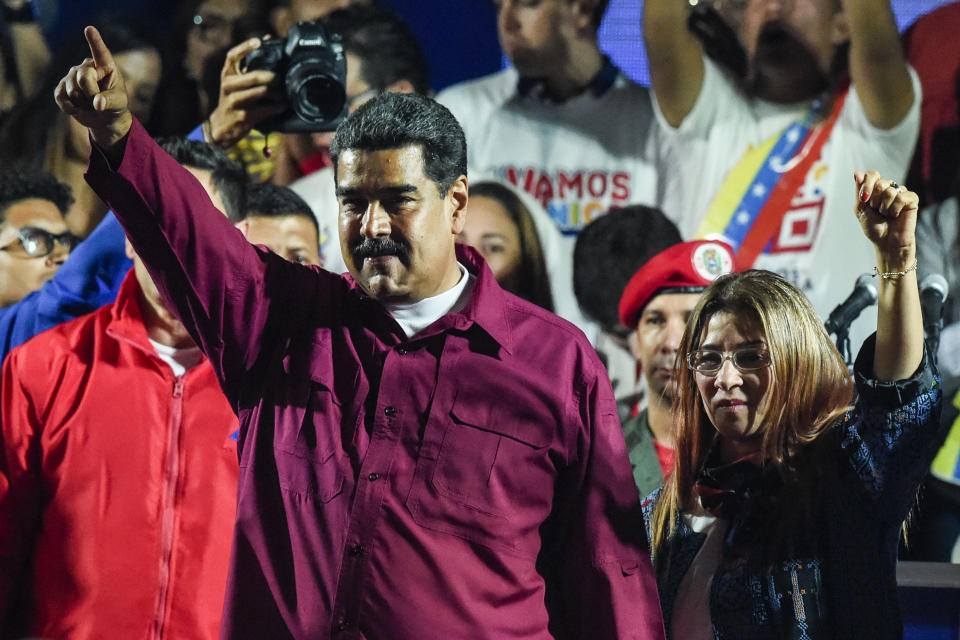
{"x":385,"y":45}
{"x":609,"y":251}
{"x":397,"y":120}
{"x":17,"y":185}
{"x":227,"y":176}
{"x":269,"y":200}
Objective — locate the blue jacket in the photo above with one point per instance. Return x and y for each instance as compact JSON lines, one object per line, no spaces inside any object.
{"x":874,"y":459}
{"x":86,"y":281}
{"x":89,"y":279}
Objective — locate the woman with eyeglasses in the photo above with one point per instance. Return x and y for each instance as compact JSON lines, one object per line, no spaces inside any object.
{"x":793,"y":479}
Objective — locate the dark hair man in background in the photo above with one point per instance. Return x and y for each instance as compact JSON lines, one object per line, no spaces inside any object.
{"x":91,"y":275}
{"x":422,"y":454}
{"x":34,"y":240}
{"x":607,"y":253}
{"x":280,"y":220}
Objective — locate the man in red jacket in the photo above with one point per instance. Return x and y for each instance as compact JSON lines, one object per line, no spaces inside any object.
{"x":118,"y":471}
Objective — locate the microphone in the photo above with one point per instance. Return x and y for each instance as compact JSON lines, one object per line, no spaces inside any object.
{"x":933,"y":293}
{"x":864,"y":294}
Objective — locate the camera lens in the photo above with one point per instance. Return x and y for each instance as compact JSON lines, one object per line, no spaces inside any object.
{"x":315,"y":95}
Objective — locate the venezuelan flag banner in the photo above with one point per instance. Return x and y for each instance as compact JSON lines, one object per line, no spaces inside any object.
{"x":749,"y":207}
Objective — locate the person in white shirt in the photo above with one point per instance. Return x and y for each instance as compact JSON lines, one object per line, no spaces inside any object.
{"x":765,"y":164}
{"x":562,"y":124}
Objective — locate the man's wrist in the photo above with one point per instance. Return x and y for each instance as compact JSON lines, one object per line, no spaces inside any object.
{"x":112,"y":140}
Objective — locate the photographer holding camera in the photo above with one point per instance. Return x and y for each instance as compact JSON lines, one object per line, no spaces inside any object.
{"x":381,"y":54}
{"x":295,"y":84}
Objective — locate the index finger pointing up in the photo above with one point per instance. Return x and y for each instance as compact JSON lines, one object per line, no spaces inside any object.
{"x":102,"y":58}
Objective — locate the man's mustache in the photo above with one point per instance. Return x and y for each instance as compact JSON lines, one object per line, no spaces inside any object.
{"x":377,"y":247}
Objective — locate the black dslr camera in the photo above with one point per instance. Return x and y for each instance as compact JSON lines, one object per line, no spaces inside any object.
{"x":312,"y":70}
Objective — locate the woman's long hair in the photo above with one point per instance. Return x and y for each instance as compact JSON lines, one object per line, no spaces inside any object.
{"x":810,"y":387}
{"x":533,"y":283}
{"x":35,"y":135}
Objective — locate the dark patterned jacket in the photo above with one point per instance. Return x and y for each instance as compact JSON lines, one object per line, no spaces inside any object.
{"x":844,"y":585}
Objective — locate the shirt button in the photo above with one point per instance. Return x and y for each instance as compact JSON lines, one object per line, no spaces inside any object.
{"x":390,"y":411}
{"x":356,"y":549}
{"x":401,"y":351}
{"x":343,"y":625}
{"x":373,"y":477}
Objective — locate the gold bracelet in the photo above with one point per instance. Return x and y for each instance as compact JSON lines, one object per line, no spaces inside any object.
{"x":889,"y":275}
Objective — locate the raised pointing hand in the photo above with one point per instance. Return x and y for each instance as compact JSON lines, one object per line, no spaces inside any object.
{"x":94,"y":94}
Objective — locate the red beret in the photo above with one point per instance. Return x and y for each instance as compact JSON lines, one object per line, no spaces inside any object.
{"x":688,"y":264}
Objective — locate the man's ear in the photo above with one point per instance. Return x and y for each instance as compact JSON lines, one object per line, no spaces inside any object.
{"x":583,"y":16}
{"x":457,"y":201}
{"x":839,"y":28}
{"x":633,"y":341}
{"x":244,"y":226}
{"x":401,"y":86}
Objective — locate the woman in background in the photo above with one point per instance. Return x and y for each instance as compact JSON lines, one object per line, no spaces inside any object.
{"x":782,"y":517}
{"x":37,"y":135}
{"x":501,"y":228}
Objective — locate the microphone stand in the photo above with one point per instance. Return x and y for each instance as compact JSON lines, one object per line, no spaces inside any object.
{"x":933,"y":345}
{"x":843,"y":345}
{"x":864,"y":294}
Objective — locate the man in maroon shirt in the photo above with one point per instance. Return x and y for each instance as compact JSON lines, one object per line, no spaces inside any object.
{"x":422,"y":455}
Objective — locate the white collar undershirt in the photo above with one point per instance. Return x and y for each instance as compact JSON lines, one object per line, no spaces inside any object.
{"x":414,"y":317}
{"x":180,"y":360}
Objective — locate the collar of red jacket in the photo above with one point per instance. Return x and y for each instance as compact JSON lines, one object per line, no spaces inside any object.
{"x":126,"y":319}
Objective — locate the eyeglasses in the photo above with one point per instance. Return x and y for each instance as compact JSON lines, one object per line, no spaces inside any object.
{"x":39,"y":243}
{"x":709,"y":361}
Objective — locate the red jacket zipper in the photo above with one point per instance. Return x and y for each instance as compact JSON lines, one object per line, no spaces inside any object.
{"x":169,"y":504}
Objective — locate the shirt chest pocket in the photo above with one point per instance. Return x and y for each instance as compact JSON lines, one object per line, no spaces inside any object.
{"x":309,"y":429}
{"x":492,"y":478}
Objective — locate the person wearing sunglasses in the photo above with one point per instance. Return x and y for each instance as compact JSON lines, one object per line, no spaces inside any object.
{"x":34,"y":240}
{"x":782,"y":515}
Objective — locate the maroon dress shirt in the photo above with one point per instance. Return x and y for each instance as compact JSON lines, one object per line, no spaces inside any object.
{"x":469,"y":482}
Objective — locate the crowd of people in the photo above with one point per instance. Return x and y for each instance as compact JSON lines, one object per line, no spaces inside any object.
{"x":541,"y":355}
